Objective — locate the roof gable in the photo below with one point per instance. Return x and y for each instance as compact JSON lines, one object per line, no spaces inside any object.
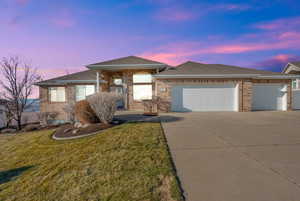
{"x":130,"y":60}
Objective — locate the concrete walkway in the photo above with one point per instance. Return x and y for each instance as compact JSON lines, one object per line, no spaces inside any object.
{"x":236,"y":156}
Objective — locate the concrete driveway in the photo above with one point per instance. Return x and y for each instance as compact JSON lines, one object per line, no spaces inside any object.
{"x":236,"y":156}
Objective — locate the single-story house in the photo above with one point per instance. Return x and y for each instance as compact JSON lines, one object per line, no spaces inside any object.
{"x":293,"y":68}
{"x":190,"y":86}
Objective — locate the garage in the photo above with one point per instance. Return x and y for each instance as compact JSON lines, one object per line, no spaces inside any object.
{"x":205,"y":97}
{"x":269,"y":97}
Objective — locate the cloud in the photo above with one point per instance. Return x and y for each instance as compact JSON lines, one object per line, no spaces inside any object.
{"x":179,"y":12}
{"x":175,"y":14}
{"x":276,"y":63}
{"x":280,"y":24}
{"x":64,"y":19}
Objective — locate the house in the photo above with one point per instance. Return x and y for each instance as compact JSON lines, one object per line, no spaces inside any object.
{"x":190,"y":86}
{"x":293,"y":68}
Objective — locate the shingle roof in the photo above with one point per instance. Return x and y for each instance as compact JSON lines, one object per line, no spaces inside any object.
{"x":88,"y":75}
{"x":194,"y":68}
{"x":296,"y":63}
{"x":127,"y":60}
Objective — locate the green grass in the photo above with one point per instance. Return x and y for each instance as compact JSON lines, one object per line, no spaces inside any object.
{"x":129,"y":162}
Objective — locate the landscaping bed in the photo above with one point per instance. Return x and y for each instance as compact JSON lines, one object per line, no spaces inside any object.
{"x":71,"y":131}
{"x":126,"y":162}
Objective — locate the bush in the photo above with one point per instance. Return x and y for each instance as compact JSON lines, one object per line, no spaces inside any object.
{"x":46,"y":118}
{"x":84,"y":113}
{"x":69,"y":108}
{"x":104,"y":105}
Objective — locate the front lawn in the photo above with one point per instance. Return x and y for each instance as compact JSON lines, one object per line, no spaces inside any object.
{"x":128,"y":162}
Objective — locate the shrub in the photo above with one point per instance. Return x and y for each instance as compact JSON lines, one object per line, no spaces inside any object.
{"x":45,"y":118}
{"x":104,"y":105}
{"x":84,"y":113}
{"x":69,"y":108}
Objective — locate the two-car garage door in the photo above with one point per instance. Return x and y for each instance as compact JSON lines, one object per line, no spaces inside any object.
{"x":225,"y":97}
{"x":206,"y":97}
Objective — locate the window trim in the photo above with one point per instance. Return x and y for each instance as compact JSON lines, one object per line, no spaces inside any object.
{"x":142,"y":83}
{"x":85,"y":90}
{"x":49,"y":95}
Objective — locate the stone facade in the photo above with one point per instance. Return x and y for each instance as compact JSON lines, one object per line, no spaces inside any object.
{"x":127,"y":76}
{"x":47,"y":106}
{"x":108,"y":76}
{"x":164,"y":87}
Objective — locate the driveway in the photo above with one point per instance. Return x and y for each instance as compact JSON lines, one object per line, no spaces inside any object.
{"x":226,"y":156}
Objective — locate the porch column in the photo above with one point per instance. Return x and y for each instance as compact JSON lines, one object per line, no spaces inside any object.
{"x":98,"y":82}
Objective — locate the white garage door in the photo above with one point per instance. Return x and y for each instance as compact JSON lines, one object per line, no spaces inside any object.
{"x":269,"y":97}
{"x":210,"y":97}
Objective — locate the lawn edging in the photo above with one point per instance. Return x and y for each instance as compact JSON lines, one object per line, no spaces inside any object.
{"x":182,"y":192}
{"x":74,"y":137}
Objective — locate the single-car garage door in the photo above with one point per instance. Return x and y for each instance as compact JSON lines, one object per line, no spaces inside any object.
{"x":206,"y":97}
{"x":269,"y":97}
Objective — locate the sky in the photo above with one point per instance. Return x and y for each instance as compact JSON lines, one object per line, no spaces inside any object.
{"x":62,"y":36}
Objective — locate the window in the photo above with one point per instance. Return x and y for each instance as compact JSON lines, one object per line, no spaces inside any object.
{"x":142,"y":86}
{"x":57,"y":94}
{"x":294,"y":84}
{"x":117,"y":81}
{"x":82,"y":91}
{"x":142,"y":78}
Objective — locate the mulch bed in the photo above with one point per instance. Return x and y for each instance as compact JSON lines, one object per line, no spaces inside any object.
{"x":67,"y":130}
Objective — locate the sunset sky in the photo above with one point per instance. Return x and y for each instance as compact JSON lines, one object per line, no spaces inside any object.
{"x":59,"y":36}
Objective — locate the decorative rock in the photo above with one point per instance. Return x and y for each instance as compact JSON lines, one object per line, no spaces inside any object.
{"x":85,"y":125}
{"x":8,"y":130}
{"x":115,"y":122}
{"x":75,"y":131}
{"x":67,"y":130}
{"x":78,"y":125}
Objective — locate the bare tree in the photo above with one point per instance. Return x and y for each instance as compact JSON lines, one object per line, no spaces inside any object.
{"x":17,"y":83}
{"x":69,"y":108}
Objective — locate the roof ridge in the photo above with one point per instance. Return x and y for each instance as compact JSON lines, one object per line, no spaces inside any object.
{"x":127,"y":57}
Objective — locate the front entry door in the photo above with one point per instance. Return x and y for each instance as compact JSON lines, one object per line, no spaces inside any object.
{"x":118,"y":90}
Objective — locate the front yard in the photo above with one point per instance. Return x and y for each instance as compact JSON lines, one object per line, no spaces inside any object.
{"x":127,"y":162}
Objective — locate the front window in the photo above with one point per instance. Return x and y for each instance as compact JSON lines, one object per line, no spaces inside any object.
{"x":57,"y":94}
{"x":142,"y":86}
{"x":117,"y":81}
{"x":295,"y":84}
{"x":82,"y":91}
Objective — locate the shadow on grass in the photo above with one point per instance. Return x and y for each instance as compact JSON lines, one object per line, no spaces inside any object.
{"x":144,"y":118}
{"x":9,"y":175}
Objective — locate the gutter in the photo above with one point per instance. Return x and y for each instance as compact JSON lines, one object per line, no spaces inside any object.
{"x":253,"y":76}
{"x":206,"y":76}
{"x":60,"y":82}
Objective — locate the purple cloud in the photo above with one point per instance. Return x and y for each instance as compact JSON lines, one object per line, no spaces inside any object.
{"x":276,"y":63}
{"x":64,"y":19}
